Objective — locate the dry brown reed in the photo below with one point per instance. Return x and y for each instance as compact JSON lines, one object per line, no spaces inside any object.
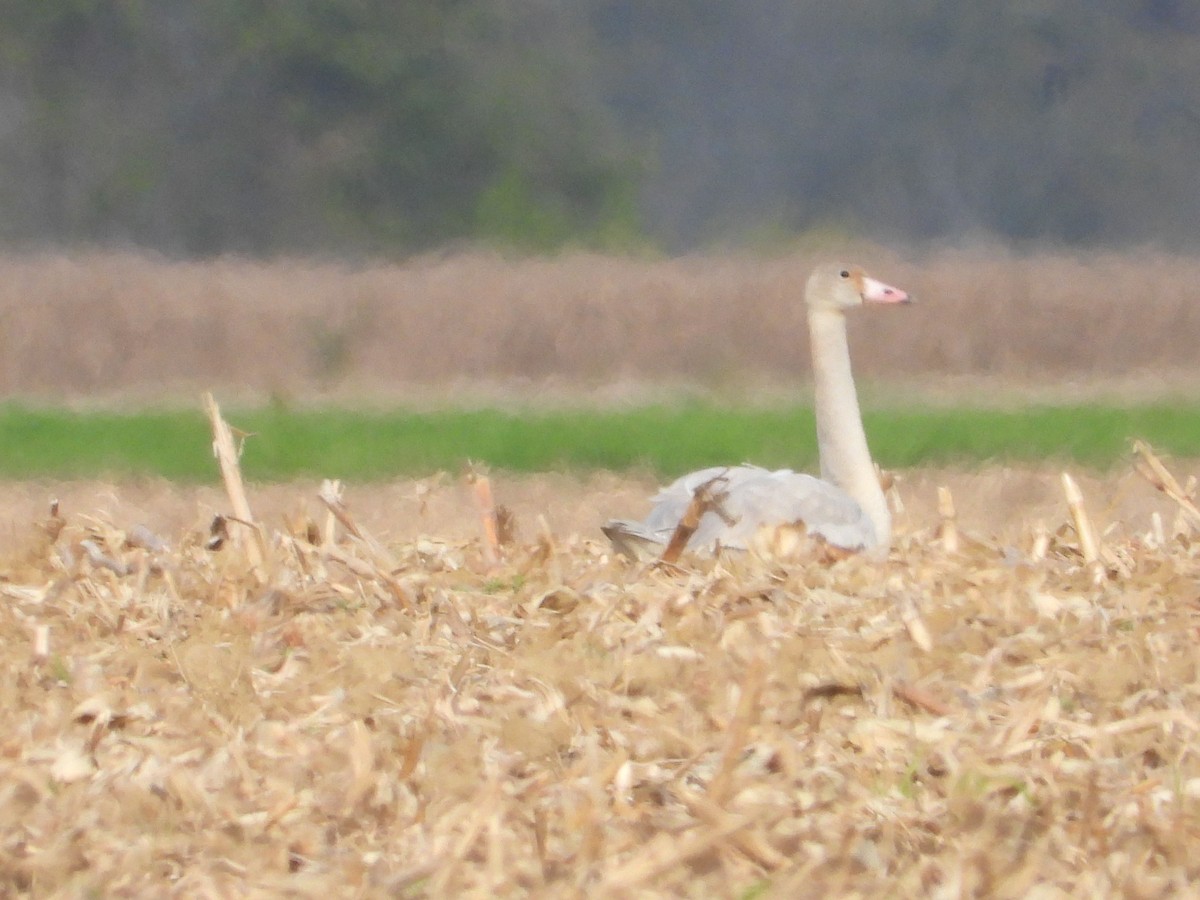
{"x":120,"y":322}
{"x":383,"y":717}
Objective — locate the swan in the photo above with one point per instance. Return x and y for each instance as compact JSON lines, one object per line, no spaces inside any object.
{"x":845,"y":507}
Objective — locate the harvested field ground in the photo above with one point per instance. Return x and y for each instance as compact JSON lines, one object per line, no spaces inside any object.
{"x":997,"y":502}
{"x":391,"y":716}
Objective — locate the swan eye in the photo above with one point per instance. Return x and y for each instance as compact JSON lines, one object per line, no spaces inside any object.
{"x":845,"y":274}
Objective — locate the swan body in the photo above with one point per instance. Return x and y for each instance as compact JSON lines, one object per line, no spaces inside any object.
{"x":845,"y":507}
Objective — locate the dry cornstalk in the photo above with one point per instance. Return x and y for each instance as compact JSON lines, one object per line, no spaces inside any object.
{"x":949,"y":526}
{"x":484,"y":805}
{"x":708,"y":497}
{"x":749,"y":842}
{"x":547,"y":552}
{"x":41,"y":641}
{"x":361,"y":753}
{"x":921,"y":699}
{"x":1083,"y":523}
{"x":1041,"y":541}
{"x":329,"y":529}
{"x":482,"y":489}
{"x":360,"y":567}
{"x":1157,"y":532}
{"x":1150,"y":467}
{"x":917,"y":630}
{"x":381,"y":565}
{"x":744,"y":717}
{"x":331,"y":496}
{"x":662,"y":856}
{"x":227,"y":458}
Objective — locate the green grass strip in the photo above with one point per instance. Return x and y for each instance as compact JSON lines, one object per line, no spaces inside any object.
{"x":361,"y":445}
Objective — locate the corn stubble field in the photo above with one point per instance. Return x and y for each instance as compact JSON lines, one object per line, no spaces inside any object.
{"x":370,"y":699}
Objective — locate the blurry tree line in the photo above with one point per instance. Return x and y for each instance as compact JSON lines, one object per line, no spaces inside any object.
{"x":266,"y":126}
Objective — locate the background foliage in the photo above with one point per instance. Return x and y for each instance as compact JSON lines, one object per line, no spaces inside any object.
{"x":382,"y":127}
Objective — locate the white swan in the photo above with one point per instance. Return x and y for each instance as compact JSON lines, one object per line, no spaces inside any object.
{"x":846,"y":506}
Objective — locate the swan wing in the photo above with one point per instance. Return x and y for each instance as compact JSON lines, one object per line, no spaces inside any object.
{"x":754,"y":498}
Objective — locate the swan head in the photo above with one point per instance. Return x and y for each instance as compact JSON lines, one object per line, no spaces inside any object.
{"x":834,"y":286}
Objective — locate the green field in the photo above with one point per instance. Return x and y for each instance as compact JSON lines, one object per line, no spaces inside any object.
{"x":360,"y":445}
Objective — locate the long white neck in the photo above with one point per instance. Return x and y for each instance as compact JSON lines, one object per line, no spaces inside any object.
{"x":845,"y":457}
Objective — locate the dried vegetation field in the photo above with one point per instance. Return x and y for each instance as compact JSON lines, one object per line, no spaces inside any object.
{"x":474,"y":325}
{"x":376,"y":703}
{"x":375,"y":708}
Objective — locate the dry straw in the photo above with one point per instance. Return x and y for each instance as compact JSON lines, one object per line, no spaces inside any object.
{"x":346,"y":718}
{"x":292,"y":327}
